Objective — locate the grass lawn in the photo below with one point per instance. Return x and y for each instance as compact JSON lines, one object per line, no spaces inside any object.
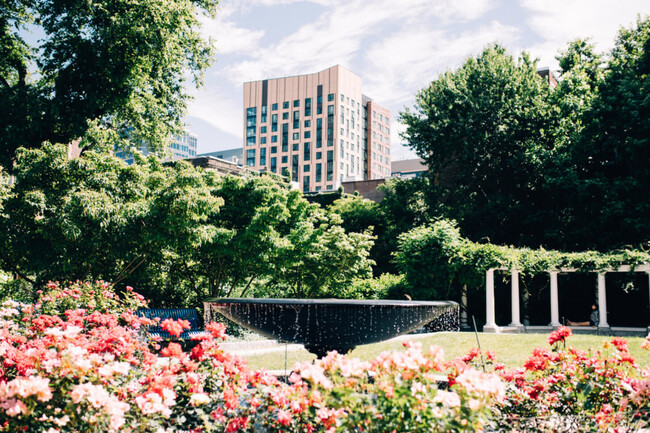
{"x":511,"y":349}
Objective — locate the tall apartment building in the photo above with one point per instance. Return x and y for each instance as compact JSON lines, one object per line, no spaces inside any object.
{"x":181,"y":147}
{"x":318,"y":126}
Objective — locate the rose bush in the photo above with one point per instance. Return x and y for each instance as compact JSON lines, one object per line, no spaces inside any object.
{"x":79,"y":361}
{"x":565,"y":389}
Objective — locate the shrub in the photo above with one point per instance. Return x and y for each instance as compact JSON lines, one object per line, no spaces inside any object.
{"x":99,"y":296}
{"x":565,"y":388}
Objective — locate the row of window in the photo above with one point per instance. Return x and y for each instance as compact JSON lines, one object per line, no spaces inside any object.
{"x":381,"y":117}
{"x":381,"y":158}
{"x":381,"y":137}
{"x":381,"y":127}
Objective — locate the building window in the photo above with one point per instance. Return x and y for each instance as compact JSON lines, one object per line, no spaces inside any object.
{"x":250,"y":157}
{"x":274,"y":164}
{"x":307,"y":151}
{"x":296,"y":135}
{"x":330,"y":109}
{"x":263,"y":156}
{"x":296,"y":119}
{"x":330,"y":165}
{"x":307,"y":134}
{"x":307,"y":123}
{"x":263,"y":130}
{"x":294,"y":168}
{"x":285,"y":134}
{"x":342,"y":98}
{"x":319,"y":155}
{"x":285,"y":115}
{"x":285,"y":159}
{"x":274,"y":123}
{"x":285,"y":104}
{"x":263,"y":140}
{"x":307,"y":107}
{"x":296,"y":103}
{"x":274,"y":149}
{"x":296,"y":146}
{"x":319,"y":133}
{"x":274,"y":107}
{"x":305,"y":183}
{"x":330,"y":97}
{"x":251,"y":111}
{"x":306,"y":168}
{"x":250,"y":141}
{"x":318,"y":172}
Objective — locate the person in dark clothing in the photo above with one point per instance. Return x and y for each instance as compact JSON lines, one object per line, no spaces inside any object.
{"x":594,"y":318}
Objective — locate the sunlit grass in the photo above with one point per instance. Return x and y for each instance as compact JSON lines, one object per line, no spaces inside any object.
{"x":511,"y":349}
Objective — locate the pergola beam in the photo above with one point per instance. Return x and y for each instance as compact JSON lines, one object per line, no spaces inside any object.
{"x":491,"y":326}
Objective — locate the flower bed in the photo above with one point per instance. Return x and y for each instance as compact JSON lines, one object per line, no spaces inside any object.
{"x":80,"y":361}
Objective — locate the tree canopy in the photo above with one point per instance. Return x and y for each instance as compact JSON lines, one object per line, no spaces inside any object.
{"x":123,"y":62}
{"x":476,"y":127}
{"x":517,"y":161}
{"x":178,"y":233}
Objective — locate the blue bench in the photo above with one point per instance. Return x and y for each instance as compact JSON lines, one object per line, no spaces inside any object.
{"x":188,"y":314}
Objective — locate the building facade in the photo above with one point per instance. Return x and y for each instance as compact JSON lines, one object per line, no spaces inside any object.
{"x":182,"y":147}
{"x":409,"y":168}
{"x":234,"y":155}
{"x":320,"y":127}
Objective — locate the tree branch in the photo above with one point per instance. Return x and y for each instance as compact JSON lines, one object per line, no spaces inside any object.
{"x":247,"y":286}
{"x":6,"y":84}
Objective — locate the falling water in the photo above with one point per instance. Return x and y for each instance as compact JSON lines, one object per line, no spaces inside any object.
{"x":330,"y":324}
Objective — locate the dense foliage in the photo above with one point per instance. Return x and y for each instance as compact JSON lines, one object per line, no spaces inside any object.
{"x":122,"y":62}
{"x":179,"y":232}
{"x":402,"y":208}
{"x":517,"y":161}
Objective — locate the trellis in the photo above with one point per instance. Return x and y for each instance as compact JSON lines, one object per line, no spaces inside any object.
{"x":603,"y":326}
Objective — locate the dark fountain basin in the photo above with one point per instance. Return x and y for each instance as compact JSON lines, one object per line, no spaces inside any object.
{"x":322,"y":325}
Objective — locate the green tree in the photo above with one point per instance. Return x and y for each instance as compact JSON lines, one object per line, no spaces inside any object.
{"x":321,"y":260}
{"x":475,"y":128}
{"x":252,"y":225}
{"x":612,"y":160}
{"x":94,"y":217}
{"x":124,"y":62}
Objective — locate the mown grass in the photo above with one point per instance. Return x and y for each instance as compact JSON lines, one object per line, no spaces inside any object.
{"x":510,"y":349}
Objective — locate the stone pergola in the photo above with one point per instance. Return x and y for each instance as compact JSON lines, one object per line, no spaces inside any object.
{"x":491,"y":326}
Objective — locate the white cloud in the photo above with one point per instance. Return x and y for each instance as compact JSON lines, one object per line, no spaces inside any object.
{"x":404,"y":62}
{"x":219,"y":108}
{"x":597,"y":19}
{"x":230,"y":37}
{"x":337,"y":36}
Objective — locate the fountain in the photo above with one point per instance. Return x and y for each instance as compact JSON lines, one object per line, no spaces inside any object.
{"x":322,"y":325}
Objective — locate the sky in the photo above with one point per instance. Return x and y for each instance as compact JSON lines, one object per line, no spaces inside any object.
{"x":396,"y":47}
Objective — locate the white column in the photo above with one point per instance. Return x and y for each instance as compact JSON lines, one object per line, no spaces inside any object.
{"x":648,"y":298}
{"x":555,"y":304}
{"x":602,"y":301}
{"x":514,"y":285}
{"x":463,"y":308}
{"x":490,"y":325}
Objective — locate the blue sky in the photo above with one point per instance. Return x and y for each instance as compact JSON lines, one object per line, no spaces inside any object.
{"x":397,"y":47}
